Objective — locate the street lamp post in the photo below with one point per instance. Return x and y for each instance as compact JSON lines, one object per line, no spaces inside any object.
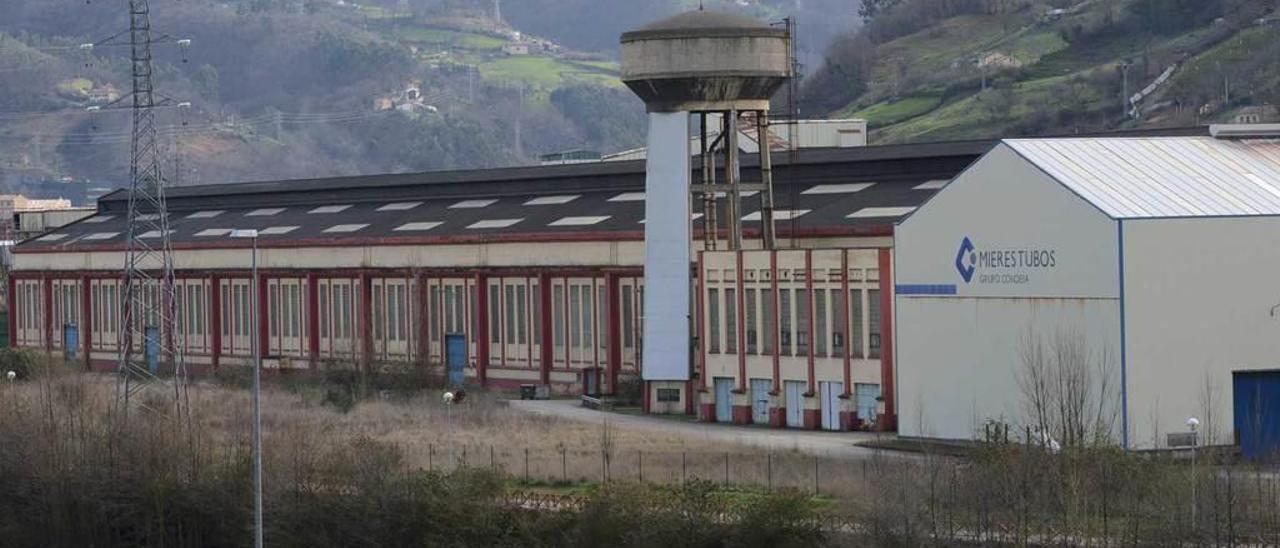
{"x":1194,"y":424}
{"x":257,"y":387}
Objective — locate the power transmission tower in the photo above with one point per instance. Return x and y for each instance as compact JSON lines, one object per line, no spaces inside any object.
{"x":149,"y":333}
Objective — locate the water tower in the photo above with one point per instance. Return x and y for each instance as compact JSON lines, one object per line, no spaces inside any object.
{"x":720,"y":70}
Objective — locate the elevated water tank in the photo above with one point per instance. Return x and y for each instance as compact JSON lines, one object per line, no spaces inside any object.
{"x":706,"y":61}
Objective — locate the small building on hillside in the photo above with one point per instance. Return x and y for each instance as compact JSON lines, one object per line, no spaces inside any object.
{"x":1144,"y":270}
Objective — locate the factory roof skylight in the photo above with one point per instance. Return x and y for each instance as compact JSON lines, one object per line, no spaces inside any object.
{"x":211,"y":232}
{"x":494,"y":223}
{"x":265,"y":212}
{"x":276,"y":230}
{"x":341,"y":229}
{"x":580,"y":221}
{"x":869,"y":212}
{"x":330,"y":209}
{"x":418,"y":226}
{"x":553,"y":200}
{"x":400,"y":206}
{"x":473,"y":204}
{"x":847,"y":188}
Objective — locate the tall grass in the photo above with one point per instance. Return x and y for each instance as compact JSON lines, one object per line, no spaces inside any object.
{"x":74,"y":473}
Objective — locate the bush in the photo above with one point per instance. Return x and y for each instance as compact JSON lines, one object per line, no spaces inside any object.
{"x":23,"y":363}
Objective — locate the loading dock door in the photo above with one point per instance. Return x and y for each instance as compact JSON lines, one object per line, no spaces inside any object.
{"x":724,"y":399}
{"x":760,"y":389}
{"x":831,"y":404}
{"x":1256,"y":403}
{"x":795,"y":404}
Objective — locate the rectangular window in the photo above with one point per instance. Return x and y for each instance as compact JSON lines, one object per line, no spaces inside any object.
{"x":323,"y":298}
{"x":602,"y":321}
{"x":535,"y":297}
{"x":713,"y":317}
{"x":511,"y":320}
{"x":522,"y":319}
{"x":203,"y":321}
{"x":433,"y":313}
{"x":575,"y":315}
{"x":855,"y":307}
{"x":669,"y":395}
{"x":274,"y":306}
{"x":873,"y":322}
{"x":802,"y":322}
{"x":730,"y":321}
{"x":838,"y":312}
{"x":346,"y":311}
{"x":557,"y":316}
{"x":587,"y":318}
{"x":820,"y":322}
{"x":295,"y":318}
{"x":784,"y":322}
{"x":471,"y":308}
{"x":495,"y":314}
{"x":628,"y":323}
{"x":749,"y":304}
{"x":767,"y":317}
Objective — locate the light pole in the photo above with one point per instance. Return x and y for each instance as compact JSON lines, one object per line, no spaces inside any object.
{"x":1194,"y":424}
{"x":257,"y":387}
{"x":448,"y":419}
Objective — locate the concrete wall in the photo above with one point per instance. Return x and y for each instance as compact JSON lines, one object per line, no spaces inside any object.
{"x":1198,"y":298}
{"x":1041,"y":263}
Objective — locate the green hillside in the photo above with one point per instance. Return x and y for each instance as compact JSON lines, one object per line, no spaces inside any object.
{"x":1021,"y":67}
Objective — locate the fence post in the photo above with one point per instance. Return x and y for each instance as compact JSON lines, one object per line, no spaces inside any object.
{"x":464,"y":457}
{"x":526,"y":465}
{"x":682,"y":468}
{"x":815,"y":475}
{"x":604,"y":467}
{"x":768,"y":470}
{"x":641,"y":459}
{"x":493,"y":461}
{"x":431,"y":457}
{"x":726,"y":469}
{"x":564,"y":465}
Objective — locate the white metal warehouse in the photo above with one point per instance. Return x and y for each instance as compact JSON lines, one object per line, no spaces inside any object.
{"x":1154,"y":259}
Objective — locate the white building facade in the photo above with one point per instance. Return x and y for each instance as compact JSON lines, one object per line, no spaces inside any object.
{"x":1143,"y":270}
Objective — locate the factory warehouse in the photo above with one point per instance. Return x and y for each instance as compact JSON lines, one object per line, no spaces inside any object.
{"x":1144,"y":270}
{"x":512,"y":276}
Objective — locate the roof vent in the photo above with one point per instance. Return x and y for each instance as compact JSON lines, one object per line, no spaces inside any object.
{"x":1245,"y":131}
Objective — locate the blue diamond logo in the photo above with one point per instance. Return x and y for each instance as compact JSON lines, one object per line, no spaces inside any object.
{"x":965,"y":263}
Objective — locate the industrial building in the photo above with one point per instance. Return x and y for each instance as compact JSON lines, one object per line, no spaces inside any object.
{"x":515,"y":276}
{"x":1147,"y":266}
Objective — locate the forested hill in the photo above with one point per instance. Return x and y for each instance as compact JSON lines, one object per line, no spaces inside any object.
{"x":312,"y":88}
{"x":922,"y":70}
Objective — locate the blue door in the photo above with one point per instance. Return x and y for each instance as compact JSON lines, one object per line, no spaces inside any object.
{"x":724,"y":399}
{"x":760,"y":389}
{"x":151,"y":349}
{"x":1256,"y":402}
{"x":455,"y":349}
{"x":866,"y":396}
{"x":70,"y":340}
{"x":795,"y":403}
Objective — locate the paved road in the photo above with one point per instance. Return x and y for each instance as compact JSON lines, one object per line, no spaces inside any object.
{"x":830,"y":444}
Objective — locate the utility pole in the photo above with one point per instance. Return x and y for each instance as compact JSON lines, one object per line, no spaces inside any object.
{"x":1124,"y":100}
{"x":497,"y":10}
{"x":149,"y":311}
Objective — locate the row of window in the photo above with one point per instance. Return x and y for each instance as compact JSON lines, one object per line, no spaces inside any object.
{"x":786,"y":317}
{"x":578,"y":318}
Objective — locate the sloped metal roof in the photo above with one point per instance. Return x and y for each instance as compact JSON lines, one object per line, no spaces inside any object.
{"x":860,"y":191}
{"x":1150,"y":177}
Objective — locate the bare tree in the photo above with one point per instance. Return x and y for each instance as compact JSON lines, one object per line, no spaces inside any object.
{"x":1068,"y":388}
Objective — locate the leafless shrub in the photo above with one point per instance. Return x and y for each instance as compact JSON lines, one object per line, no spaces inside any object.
{"x":1069,"y":389}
